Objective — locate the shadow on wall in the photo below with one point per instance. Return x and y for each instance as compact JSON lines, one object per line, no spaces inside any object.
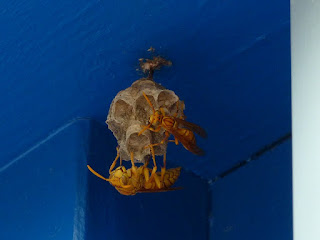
{"x":59,"y":198}
{"x":181,"y":214}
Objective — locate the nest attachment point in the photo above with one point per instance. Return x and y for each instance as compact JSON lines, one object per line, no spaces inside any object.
{"x":129,"y":111}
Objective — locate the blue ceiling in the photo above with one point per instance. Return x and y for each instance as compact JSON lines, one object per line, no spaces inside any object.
{"x":63,"y":60}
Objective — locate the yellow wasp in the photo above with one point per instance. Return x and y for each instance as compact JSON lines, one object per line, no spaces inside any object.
{"x":178,"y":127}
{"x":137,"y":179}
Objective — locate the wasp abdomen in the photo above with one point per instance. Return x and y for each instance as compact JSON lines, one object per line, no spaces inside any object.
{"x":171,"y":176}
{"x":187,"y":134}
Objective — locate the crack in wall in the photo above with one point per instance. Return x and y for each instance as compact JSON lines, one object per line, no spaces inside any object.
{"x":253,"y":157}
{"x":41,"y":142}
{"x":284,"y":26}
{"x":237,"y":166}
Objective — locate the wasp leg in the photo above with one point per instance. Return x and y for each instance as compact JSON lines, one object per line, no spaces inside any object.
{"x":115,"y":161}
{"x":126,"y":186}
{"x":146,"y":174}
{"x":148,"y":100}
{"x":120,"y":161}
{"x":144,"y":128}
{"x":163,"y":169}
{"x":148,"y":127}
{"x":154,"y":175}
{"x":134,"y":168}
{"x":153,"y":156}
{"x":155,"y":130}
{"x":149,"y":179}
{"x":162,"y":112}
{"x":165,"y":160}
{"x":176,"y":141}
{"x":157,"y":180}
{"x":163,"y":140}
{"x":146,"y":170}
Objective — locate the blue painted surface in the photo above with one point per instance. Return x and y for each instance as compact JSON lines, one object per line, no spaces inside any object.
{"x":43,"y":194}
{"x":66,"y":60}
{"x":173,"y":215}
{"x":255,"y":202}
{"x":50,"y":194}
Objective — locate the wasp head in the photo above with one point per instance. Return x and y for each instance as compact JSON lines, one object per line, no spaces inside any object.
{"x":155,"y":118}
{"x":119,"y":177}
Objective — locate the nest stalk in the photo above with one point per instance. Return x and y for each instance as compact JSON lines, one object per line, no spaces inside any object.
{"x":148,"y":66}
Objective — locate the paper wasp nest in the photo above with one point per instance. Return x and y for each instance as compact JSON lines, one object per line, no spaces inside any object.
{"x":129,"y":110}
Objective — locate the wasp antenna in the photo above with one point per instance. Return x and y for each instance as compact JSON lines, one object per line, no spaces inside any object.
{"x":148,"y":100}
{"x":97,"y":174}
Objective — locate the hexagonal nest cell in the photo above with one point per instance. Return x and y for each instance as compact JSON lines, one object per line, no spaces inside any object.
{"x":129,"y":111}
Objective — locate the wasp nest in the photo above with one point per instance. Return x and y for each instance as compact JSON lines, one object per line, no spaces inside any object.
{"x":130,"y":111}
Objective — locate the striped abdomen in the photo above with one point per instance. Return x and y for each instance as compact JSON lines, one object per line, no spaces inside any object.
{"x":186,"y":134}
{"x":170,"y":177}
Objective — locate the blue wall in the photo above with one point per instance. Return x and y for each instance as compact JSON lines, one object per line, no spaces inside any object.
{"x":62,"y":61}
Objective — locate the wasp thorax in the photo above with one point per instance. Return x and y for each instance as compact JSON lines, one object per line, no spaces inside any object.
{"x":129,"y":111}
{"x":124,"y":180}
{"x":119,"y":172}
{"x":155,"y":118}
{"x":151,"y":119}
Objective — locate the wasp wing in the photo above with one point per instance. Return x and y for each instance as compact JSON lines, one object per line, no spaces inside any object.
{"x":190,"y":145}
{"x":193,"y":127}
